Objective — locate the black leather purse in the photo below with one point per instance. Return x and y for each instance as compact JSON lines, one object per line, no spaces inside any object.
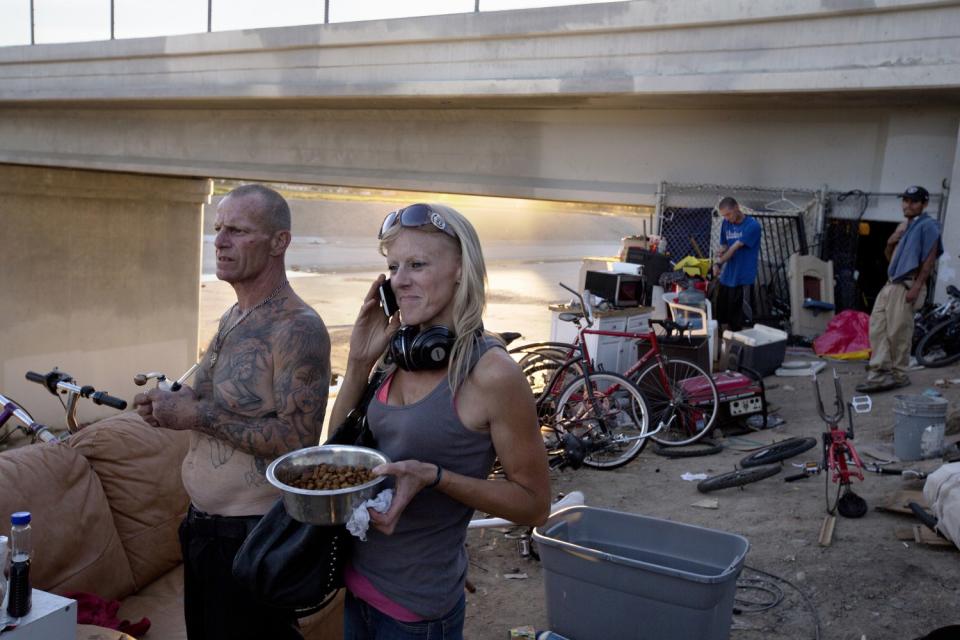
{"x":291,"y":565}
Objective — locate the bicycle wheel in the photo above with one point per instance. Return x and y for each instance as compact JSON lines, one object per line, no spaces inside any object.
{"x":613,"y":422}
{"x":541,"y":360}
{"x":832,"y":492}
{"x":682,"y":398}
{"x":778,"y":451}
{"x":941,"y":345}
{"x":696,"y":450}
{"x":738,"y":478}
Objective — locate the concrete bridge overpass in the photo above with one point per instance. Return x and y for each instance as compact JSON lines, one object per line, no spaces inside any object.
{"x":107,"y":147}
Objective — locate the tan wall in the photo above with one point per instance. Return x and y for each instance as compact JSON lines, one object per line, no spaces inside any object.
{"x":100,"y":278}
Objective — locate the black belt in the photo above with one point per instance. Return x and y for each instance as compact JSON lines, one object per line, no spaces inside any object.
{"x":214,"y":526}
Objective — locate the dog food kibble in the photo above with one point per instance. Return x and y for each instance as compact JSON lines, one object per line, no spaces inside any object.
{"x":329,"y":476}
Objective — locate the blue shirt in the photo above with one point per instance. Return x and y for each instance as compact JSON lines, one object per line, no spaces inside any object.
{"x":741,"y":269}
{"x":915,"y":245}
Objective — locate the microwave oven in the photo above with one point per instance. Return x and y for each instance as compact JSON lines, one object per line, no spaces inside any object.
{"x":619,"y":289}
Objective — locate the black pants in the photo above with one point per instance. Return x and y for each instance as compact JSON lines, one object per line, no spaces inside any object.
{"x":735,"y":306}
{"x":214,"y":605}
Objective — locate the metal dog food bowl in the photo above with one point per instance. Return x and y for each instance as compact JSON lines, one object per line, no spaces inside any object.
{"x":324,"y":507}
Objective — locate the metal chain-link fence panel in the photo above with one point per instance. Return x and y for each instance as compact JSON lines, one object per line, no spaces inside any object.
{"x":852,"y":219}
{"x":689,"y":222}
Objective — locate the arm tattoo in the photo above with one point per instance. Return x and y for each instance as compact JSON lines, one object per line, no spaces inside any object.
{"x":290,"y":392}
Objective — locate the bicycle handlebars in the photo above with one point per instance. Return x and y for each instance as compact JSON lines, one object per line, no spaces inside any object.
{"x":32,"y":427}
{"x":56,"y":381}
{"x":837,"y":403}
{"x":587,"y":311}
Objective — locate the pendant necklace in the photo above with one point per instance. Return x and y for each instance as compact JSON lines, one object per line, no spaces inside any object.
{"x":222,"y":335}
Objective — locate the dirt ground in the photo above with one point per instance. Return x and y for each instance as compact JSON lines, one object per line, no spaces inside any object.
{"x":866,"y":584}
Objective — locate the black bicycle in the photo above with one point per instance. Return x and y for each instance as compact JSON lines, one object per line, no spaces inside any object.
{"x":940,"y":344}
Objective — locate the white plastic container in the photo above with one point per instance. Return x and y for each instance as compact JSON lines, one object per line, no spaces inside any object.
{"x":763,"y":347}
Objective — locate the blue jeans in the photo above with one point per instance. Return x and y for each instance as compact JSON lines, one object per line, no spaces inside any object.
{"x":363,"y":622}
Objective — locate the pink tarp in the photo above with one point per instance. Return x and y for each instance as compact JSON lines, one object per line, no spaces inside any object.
{"x":847,"y":336}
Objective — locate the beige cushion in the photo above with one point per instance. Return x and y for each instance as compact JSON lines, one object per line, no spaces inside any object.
{"x":139,"y":468}
{"x":161,"y":602}
{"x":76,"y":545}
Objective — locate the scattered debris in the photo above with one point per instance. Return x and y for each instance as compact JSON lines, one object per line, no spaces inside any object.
{"x":944,"y":383}
{"x":693,"y":477}
{"x":899,"y":502}
{"x":756,"y":421}
{"x":525,"y":632}
{"x":799,"y":369}
{"x":707,"y":503}
{"x":515,"y":576}
{"x":921,"y":535}
{"x":826,"y":530}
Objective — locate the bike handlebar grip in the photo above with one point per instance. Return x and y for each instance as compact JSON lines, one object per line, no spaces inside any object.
{"x":102,"y":397}
{"x":39,"y":378}
{"x":42,"y":433}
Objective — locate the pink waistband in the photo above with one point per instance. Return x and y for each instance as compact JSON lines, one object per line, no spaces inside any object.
{"x":362,"y":588}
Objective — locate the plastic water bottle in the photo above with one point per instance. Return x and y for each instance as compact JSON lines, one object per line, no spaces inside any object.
{"x":19,"y":598}
{"x":4,"y":551}
{"x":550,"y":635}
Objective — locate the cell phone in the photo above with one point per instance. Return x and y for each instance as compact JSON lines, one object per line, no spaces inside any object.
{"x":388,"y":301}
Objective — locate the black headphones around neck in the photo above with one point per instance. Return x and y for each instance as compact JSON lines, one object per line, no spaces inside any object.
{"x":415,"y":350}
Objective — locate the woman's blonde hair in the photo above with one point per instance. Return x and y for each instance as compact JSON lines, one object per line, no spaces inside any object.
{"x":469,"y":298}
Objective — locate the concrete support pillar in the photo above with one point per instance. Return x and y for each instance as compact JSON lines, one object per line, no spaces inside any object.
{"x":100,"y":277}
{"x":949,"y":266}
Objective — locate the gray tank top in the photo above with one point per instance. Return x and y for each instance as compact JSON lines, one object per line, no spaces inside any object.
{"x":423,"y":565}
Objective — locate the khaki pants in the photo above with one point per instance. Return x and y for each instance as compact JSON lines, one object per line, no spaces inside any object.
{"x":891,"y":332}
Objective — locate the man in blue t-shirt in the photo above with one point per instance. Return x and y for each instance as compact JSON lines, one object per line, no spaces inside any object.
{"x":736,"y":264}
{"x":913,"y":250}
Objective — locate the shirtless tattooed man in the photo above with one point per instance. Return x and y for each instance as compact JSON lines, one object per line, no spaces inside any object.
{"x":261,"y":391}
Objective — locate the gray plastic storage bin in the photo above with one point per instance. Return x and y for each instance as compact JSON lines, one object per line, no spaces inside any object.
{"x":618,"y":575}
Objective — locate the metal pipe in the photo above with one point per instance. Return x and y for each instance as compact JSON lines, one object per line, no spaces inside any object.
{"x":33,"y":39}
{"x":326,"y":11}
{"x":112,"y":20}
{"x":209,"y":16}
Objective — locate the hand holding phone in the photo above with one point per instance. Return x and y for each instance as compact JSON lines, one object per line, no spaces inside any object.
{"x":388,"y":301}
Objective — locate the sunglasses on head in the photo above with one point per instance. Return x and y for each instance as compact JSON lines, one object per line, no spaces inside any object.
{"x":414,"y":216}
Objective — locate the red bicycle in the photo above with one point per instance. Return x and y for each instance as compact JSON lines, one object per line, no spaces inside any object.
{"x":841,"y":463}
{"x":682,"y":398}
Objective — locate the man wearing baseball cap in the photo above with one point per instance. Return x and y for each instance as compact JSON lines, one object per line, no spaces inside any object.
{"x":912,"y":250}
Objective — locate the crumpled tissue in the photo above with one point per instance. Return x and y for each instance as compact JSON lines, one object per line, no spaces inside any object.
{"x":359,"y":520}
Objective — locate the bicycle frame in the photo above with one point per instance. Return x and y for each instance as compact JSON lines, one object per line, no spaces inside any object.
{"x":837,"y":445}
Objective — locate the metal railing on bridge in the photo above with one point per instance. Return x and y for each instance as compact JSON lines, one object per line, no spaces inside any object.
{"x":86,"y":20}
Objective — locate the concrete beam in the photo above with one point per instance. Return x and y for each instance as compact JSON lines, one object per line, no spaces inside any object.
{"x":647,"y":48}
{"x":590,"y":155}
{"x":100,"y":278}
